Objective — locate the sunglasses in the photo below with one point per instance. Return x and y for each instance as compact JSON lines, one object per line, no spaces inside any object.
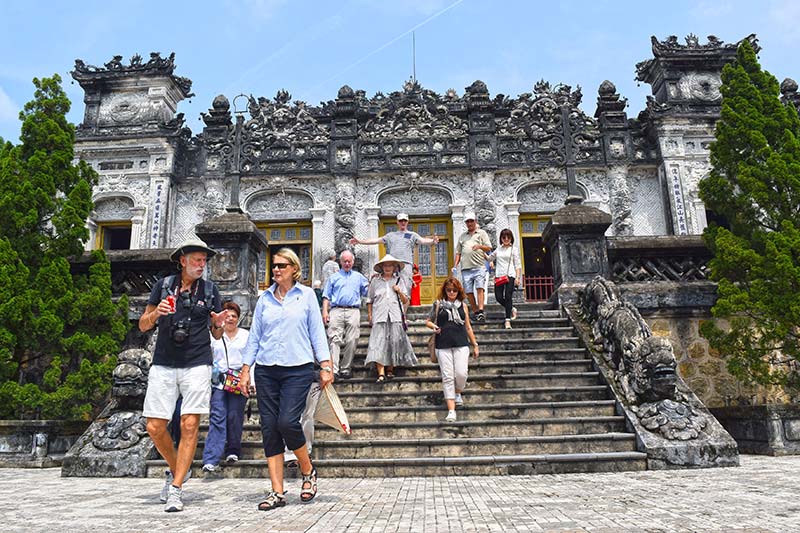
{"x":448,"y":289}
{"x":280,"y":266}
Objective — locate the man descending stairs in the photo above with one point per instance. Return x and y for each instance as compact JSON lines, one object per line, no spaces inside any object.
{"x":533,"y":404}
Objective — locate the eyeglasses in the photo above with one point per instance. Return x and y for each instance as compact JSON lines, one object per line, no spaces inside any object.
{"x":448,"y":289}
{"x":280,"y":266}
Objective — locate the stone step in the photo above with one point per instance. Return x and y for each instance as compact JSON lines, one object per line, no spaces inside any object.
{"x":483,"y":465}
{"x":463,"y":428}
{"x":495,"y":333}
{"x":476,"y":411}
{"x":499,"y":343}
{"x":476,"y":381}
{"x":508,"y":366}
{"x":377,"y":448}
{"x":435,"y":397}
{"x":492,"y":325}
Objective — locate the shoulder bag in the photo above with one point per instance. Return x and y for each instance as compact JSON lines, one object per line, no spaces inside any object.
{"x":432,"y":339}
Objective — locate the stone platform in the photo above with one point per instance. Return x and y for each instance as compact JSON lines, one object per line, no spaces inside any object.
{"x":759,"y":496}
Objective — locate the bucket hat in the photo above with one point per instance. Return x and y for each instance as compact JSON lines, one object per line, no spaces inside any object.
{"x":188,"y":246}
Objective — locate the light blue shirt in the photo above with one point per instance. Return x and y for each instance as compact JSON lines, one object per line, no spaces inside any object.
{"x":288,"y":333}
{"x":345,"y":289}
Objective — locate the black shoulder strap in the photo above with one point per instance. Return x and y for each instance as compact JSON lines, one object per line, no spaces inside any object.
{"x":208,"y":292}
{"x":166,"y":286}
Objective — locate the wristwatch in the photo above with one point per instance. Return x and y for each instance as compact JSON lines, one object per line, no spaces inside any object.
{"x":325,"y":369}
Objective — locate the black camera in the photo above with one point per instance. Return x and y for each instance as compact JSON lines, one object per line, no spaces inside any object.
{"x":180,"y":331}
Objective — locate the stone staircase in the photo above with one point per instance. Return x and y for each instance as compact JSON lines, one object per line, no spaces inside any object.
{"x":533,"y":404}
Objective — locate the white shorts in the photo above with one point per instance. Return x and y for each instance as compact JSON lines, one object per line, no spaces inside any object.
{"x":165,"y":384}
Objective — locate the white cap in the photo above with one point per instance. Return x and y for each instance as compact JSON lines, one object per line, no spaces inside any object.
{"x":402,"y":216}
{"x":469,"y":215}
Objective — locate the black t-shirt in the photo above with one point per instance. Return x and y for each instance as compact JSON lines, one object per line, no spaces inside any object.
{"x":452,"y":335}
{"x":196,"y":316}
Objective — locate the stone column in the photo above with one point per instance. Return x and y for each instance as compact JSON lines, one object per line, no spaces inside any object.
{"x":319,"y":249}
{"x":91,"y":225}
{"x":457,"y":216}
{"x":234,"y":269}
{"x":576,"y":238}
{"x":512,"y":212}
{"x":137,"y":226}
{"x":621,"y":201}
{"x":373,"y":229}
{"x":160,"y":200}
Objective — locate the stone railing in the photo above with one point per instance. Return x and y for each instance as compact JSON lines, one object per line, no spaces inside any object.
{"x":667,"y":258}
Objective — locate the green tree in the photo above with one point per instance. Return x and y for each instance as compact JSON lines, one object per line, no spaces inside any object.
{"x":755,"y":187}
{"x":59,"y":331}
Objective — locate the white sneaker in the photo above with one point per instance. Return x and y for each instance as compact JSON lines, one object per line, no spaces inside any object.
{"x":513,"y":313}
{"x":208,"y":468}
{"x":451,"y":416}
{"x":232,"y":458}
{"x":459,"y":400}
{"x":174,"y":500}
{"x":168,"y":483}
{"x":508,"y":324}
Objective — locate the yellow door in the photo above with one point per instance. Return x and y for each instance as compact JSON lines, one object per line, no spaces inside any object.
{"x":294,"y":235}
{"x":434,"y":261}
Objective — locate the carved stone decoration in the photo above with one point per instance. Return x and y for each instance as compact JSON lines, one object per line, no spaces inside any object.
{"x":673,"y":420}
{"x":701,"y":86}
{"x":673,"y":426}
{"x":280,"y":205}
{"x":543,"y":197}
{"x":116,"y":444}
{"x":277,"y":119}
{"x":414,"y":113}
{"x":113,"y":209}
{"x":344,"y":213}
{"x":414,"y":201}
{"x":621,"y":203}
{"x":484,"y":204}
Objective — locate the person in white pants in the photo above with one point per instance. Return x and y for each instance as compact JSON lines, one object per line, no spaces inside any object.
{"x":449,"y":319}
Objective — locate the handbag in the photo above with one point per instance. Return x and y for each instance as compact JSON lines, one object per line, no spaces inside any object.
{"x":500,"y":280}
{"x":432,"y":339}
{"x":230,"y":378}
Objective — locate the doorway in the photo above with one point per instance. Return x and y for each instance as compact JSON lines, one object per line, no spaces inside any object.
{"x":433,"y":261}
{"x":293,"y":235}
{"x":538,"y":278}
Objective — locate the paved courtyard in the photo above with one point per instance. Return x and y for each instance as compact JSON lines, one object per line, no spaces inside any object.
{"x":761,"y":495}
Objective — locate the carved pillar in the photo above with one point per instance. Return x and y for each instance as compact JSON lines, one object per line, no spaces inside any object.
{"x":234,"y":269}
{"x":775,"y":432}
{"x":160,"y":193}
{"x":576,"y":238}
{"x":621,"y":200}
{"x":344,"y":212}
{"x":320,"y":250}
{"x":91,"y":225}
{"x":484,"y":202}
{"x":137,"y":226}
{"x":373,"y":228}
{"x":457,"y":217}
{"x":512,"y":213}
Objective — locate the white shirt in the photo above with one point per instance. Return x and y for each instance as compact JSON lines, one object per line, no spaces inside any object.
{"x":506,"y":261}
{"x":235,"y":347}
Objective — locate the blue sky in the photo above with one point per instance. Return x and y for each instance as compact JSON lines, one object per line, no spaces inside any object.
{"x":313,"y":48}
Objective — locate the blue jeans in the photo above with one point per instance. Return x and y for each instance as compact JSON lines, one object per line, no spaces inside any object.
{"x":225,"y":423}
{"x":282,"y":392}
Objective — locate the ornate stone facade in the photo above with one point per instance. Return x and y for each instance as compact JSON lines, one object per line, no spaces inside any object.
{"x":354,"y":160}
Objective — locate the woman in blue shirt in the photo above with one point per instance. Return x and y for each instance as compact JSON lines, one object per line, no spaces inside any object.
{"x":286,"y":337}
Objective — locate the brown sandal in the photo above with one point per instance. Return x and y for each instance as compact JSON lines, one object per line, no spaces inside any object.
{"x":307,"y":493}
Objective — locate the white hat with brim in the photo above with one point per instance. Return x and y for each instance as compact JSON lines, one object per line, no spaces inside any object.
{"x":188,"y":246}
{"x":402,"y":216}
{"x":469,"y":215}
{"x":388,"y":259}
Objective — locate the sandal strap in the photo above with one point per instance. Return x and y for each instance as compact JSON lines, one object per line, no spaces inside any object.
{"x":271,"y":500}
{"x":311,"y":479}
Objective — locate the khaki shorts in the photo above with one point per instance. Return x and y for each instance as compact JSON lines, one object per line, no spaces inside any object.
{"x":165,"y":384}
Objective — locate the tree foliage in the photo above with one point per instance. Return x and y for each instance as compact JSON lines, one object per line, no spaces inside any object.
{"x":59,"y":332}
{"x":755,"y":187}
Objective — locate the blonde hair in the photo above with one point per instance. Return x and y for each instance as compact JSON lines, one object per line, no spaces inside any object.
{"x":289,"y":255}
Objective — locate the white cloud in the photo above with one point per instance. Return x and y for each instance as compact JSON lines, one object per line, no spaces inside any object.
{"x":9,"y":111}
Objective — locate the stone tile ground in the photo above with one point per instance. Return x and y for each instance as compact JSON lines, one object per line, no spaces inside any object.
{"x":763,"y":495}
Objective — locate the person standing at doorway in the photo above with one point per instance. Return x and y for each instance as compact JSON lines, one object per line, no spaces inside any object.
{"x":507,"y":268}
{"x":400,"y":244}
{"x":416,"y":288}
{"x":341,"y":312}
{"x":471,"y":250}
